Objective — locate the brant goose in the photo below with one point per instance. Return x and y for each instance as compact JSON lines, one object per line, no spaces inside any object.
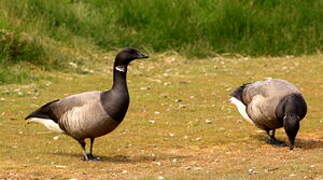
{"x":271,"y":104}
{"x":90,"y":114}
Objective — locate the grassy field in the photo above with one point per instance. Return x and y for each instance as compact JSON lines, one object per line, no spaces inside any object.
{"x":180,"y":124}
{"x":54,"y":34}
{"x":193,"y":28}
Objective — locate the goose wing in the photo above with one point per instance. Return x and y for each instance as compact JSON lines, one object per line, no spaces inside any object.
{"x":54,"y":110}
{"x":80,"y":116}
{"x":268,"y":89}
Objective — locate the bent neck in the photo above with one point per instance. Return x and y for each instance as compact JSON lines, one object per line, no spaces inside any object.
{"x":293,"y":104}
{"x":291,"y":126}
{"x":120,"y":77}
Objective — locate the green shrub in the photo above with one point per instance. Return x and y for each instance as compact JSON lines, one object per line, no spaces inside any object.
{"x":17,"y":47}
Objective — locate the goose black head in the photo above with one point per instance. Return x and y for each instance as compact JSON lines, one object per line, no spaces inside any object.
{"x":292,"y":109}
{"x":125,"y":56}
{"x":291,"y":126}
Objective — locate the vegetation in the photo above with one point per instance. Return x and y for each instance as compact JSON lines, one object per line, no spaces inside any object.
{"x":53,"y":32}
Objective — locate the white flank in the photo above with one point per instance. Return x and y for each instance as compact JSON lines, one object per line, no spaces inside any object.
{"x":241,"y":108}
{"x":49,"y":124}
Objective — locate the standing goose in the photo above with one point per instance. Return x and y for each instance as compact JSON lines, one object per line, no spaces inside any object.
{"x":271,"y":104}
{"x":90,"y":114}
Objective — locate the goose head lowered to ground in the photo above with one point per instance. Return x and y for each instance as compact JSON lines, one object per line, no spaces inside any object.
{"x":90,"y":114}
{"x":271,"y":104}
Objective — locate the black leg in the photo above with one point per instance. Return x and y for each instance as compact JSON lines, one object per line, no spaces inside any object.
{"x":272,"y":140}
{"x":90,"y":155}
{"x":85,"y":156}
{"x":272,"y":135}
{"x":91,"y":147}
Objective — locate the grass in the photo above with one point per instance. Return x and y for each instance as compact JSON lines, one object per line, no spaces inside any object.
{"x":180,"y":95}
{"x":193,"y":28}
{"x":51,"y":34}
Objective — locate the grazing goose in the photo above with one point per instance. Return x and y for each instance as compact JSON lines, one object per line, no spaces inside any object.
{"x":271,"y":104}
{"x":90,"y":114}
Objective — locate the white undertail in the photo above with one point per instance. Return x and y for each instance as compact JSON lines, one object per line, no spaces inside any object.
{"x":48,"y":123}
{"x":241,"y":108}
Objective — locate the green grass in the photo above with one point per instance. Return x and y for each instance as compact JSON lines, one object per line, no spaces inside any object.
{"x":51,"y":34}
{"x":197,"y":28}
{"x":180,"y":144}
{"x":15,"y":75}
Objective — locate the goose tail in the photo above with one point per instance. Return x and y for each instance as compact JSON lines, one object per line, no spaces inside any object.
{"x":241,"y":108}
{"x":43,"y":116}
{"x":48,"y":123}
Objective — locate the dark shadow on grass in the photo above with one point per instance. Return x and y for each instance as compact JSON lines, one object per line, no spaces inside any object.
{"x":299,"y":142}
{"x":309,"y":143}
{"x":264,"y":139}
{"x":127,"y":159}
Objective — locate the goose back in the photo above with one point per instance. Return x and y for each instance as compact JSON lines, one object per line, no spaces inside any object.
{"x":262,"y":99}
{"x":269,"y":88}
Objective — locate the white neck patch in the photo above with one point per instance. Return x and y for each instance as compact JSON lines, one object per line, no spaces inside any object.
{"x":121,"y":68}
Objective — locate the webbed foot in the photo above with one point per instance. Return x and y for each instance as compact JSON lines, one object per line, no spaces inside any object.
{"x":90,"y":157}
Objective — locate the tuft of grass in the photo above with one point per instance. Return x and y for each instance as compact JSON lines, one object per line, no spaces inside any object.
{"x":11,"y":75}
{"x":19,"y":47}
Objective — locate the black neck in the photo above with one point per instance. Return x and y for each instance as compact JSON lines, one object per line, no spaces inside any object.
{"x":120,"y":78}
{"x":116,"y":101}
